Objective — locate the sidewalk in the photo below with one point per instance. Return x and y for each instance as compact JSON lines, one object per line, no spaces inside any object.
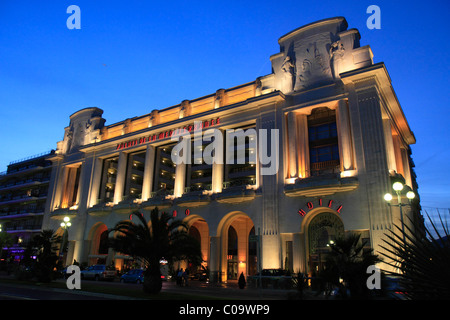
{"x":229,"y":291}
{"x":198,"y":289}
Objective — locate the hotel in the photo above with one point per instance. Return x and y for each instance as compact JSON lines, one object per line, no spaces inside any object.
{"x":342,"y":141}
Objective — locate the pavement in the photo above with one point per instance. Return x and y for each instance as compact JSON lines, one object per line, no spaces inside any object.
{"x":198,"y":289}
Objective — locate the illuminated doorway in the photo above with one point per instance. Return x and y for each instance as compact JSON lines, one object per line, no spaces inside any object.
{"x":323,"y":230}
{"x":238,"y":252}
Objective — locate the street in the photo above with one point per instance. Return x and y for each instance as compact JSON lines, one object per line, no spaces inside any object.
{"x":196,"y":289}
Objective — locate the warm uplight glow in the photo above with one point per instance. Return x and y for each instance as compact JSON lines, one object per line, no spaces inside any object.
{"x":397,"y":186}
{"x":290,"y":180}
{"x":410,"y":195}
{"x":388,"y":197}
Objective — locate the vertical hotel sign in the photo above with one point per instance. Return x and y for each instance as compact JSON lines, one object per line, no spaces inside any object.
{"x":168,"y":133}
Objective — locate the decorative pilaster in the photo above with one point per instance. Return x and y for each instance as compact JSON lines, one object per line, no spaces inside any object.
{"x":292,"y":144}
{"x":344,"y":137}
{"x":148,"y":172}
{"x":390,"y":153}
{"x":121,"y":175}
{"x":303,"y":146}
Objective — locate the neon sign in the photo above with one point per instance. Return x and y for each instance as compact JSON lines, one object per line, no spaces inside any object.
{"x":320,"y":203}
{"x":168,"y":133}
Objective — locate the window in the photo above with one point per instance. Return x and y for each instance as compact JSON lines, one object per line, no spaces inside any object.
{"x":323,"y":141}
{"x":135,"y":174}
{"x":241,"y":169}
{"x":109,"y":175}
{"x":164,"y":170}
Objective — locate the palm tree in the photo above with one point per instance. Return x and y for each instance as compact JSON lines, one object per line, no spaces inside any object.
{"x":164,"y":237}
{"x":45,"y":245}
{"x":346,"y":266}
{"x":422,"y":255}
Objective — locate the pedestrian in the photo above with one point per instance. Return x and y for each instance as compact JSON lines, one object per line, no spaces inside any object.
{"x":185,"y":277}
{"x":180,"y":277}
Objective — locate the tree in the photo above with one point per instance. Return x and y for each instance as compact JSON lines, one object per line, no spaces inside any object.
{"x":346,"y":266}
{"x":5,"y":241}
{"x":46,"y":259}
{"x":421,"y":254}
{"x":162,"y":237}
{"x":43,"y":246}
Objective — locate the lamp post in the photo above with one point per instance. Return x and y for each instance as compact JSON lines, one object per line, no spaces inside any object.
{"x":398,"y":187}
{"x":65,"y":225}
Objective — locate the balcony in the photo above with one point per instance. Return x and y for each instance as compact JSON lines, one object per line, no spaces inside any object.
{"x":321,"y":185}
{"x":237,"y":192}
{"x":161,"y":199}
{"x":101,"y":208}
{"x":12,"y":214}
{"x":22,"y":198}
{"x":128,"y":204}
{"x":195,"y":196}
{"x":22,"y":229}
{"x":24,"y":184}
{"x":60,"y":213}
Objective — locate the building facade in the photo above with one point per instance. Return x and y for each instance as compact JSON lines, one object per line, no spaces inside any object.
{"x":23,"y":195}
{"x":330,"y":116}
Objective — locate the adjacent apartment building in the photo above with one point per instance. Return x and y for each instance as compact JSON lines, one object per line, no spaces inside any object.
{"x":328,"y":113}
{"x":23,"y":195}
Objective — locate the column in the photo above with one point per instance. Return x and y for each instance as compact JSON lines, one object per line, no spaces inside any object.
{"x":120,"y":180}
{"x":95,"y":184}
{"x":303,"y":146}
{"x":148,"y":172}
{"x":217,"y":177}
{"x":61,"y":181}
{"x":69,"y":187}
{"x":217,"y":169}
{"x":180,"y":175}
{"x":390,"y":152}
{"x":292,"y":144}
{"x":214,"y":259}
{"x":344,"y":136}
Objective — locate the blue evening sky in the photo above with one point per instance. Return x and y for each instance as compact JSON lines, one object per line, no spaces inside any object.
{"x":131,"y":57}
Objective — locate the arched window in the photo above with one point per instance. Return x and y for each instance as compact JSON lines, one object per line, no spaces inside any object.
{"x":103,"y":245}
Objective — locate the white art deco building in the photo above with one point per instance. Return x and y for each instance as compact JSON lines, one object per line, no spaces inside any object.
{"x":343,"y":140}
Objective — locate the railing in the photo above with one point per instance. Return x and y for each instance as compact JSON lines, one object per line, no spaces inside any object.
{"x":33,"y":156}
{"x":207,"y":187}
{"x":319,"y":168}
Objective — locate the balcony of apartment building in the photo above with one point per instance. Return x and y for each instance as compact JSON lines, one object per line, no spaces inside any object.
{"x":18,"y":196}
{"x":24,"y":182}
{"x":29,"y":210}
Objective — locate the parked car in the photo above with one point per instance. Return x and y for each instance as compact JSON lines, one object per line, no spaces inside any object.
{"x":98,"y":272}
{"x":134,"y":276}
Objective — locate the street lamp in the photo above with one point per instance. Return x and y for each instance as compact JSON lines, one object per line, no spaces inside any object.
{"x":398,"y":187}
{"x":65,"y":225}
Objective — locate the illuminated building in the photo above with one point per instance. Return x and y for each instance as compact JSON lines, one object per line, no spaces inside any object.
{"x":23,"y":194}
{"x":343,"y":139}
